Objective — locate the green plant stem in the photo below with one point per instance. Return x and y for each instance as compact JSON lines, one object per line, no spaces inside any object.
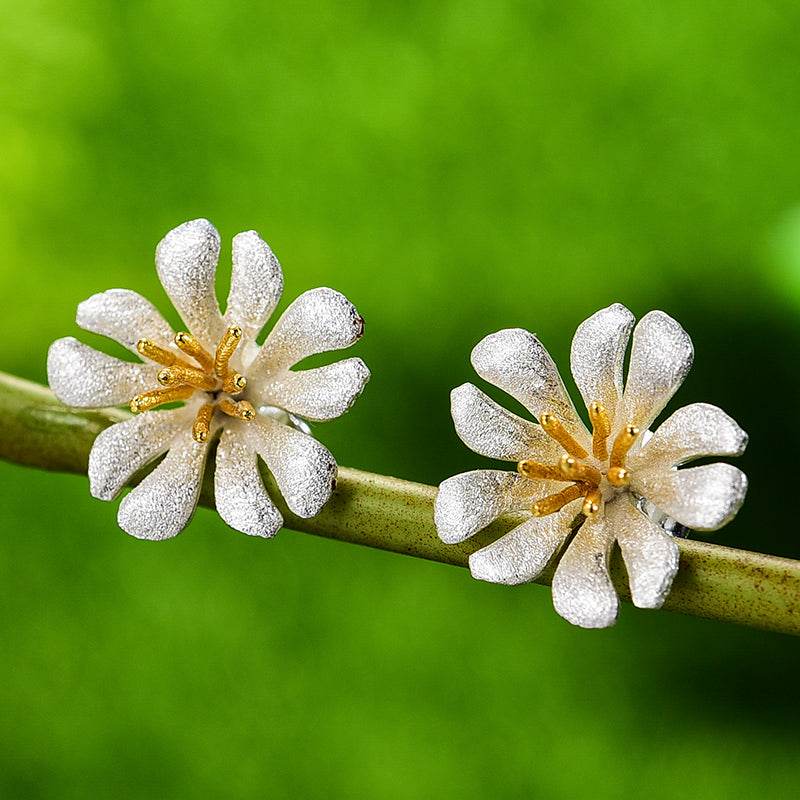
{"x":391,"y":514}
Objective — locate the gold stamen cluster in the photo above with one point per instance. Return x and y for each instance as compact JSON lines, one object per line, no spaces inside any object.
{"x":585,"y":478}
{"x":181,"y":379}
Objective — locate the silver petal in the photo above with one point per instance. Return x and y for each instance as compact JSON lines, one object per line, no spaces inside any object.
{"x":256,"y":284}
{"x":319,"y":320}
{"x":517,"y":362}
{"x":661,"y":357}
{"x":304,"y":469}
{"x":598,"y":354}
{"x":703,"y":498}
{"x":186,"y":260}
{"x":650,"y":555}
{"x":491,"y":430}
{"x":124,"y":316}
{"x":86,"y":378}
{"x":316,"y":394}
{"x":240,"y":496}
{"x":582,"y":590}
{"x":520,"y":555}
{"x":468,"y":502}
{"x":162,"y":505}
{"x":691,"y":432}
{"x":121,"y":450}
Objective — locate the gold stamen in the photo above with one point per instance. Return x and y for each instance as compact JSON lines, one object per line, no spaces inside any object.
{"x":234,"y":383}
{"x":177,"y":373}
{"x":227,"y":345}
{"x":193,"y":348}
{"x":155,"y":353}
{"x":240,"y":409}
{"x":601,"y":430}
{"x":157,"y":397}
{"x":533,"y":469}
{"x":575,"y":471}
{"x":555,"y":502}
{"x":593,"y":503}
{"x":624,"y":441}
{"x":202,"y":424}
{"x":618,"y":476}
{"x":555,"y":430}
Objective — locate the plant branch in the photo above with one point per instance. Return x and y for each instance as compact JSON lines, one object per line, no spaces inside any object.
{"x":391,"y":514}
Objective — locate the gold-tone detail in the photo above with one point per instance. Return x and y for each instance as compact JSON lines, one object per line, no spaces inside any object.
{"x":193,"y":348}
{"x":601,"y":430}
{"x":624,"y":441}
{"x":240,"y":409}
{"x":618,"y":477}
{"x":155,"y":353}
{"x":575,"y":471}
{"x":533,"y":469}
{"x":555,"y":502}
{"x":234,"y":383}
{"x":593,"y":503}
{"x":555,"y":430}
{"x":202,"y":424}
{"x":148,"y":400}
{"x":177,"y":374}
{"x":227,"y":345}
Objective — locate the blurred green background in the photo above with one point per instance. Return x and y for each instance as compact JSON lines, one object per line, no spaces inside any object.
{"x":453,"y":168}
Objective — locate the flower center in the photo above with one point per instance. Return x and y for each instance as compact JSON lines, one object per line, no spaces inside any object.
{"x":586,"y":479}
{"x":180,"y":379}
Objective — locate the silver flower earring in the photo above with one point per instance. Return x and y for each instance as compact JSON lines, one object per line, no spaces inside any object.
{"x":617,"y":484}
{"x":226,"y":382}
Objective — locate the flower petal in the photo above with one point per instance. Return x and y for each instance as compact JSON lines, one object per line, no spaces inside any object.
{"x":582,"y":590}
{"x":86,"y":378}
{"x":491,"y":430}
{"x":240,"y":496}
{"x":162,"y":505}
{"x":691,"y":432}
{"x":703,"y":498}
{"x":516,"y":362}
{"x":124,"y":316}
{"x":468,"y":502}
{"x":520,"y":555}
{"x":186,"y":260}
{"x":597,"y":356}
{"x":304,"y":469}
{"x":317,"y":394}
{"x":661,"y":357}
{"x":256,"y":284}
{"x":319,"y":320}
{"x":650,"y":555}
{"x":123,"y":449}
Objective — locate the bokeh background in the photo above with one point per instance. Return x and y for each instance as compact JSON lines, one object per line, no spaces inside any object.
{"x":454,"y":168}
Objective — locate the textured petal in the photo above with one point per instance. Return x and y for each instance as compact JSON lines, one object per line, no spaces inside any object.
{"x":161,"y":506}
{"x":316,"y":394}
{"x":86,"y":378}
{"x":256,"y":284}
{"x":704,"y":498}
{"x":491,"y":430}
{"x":186,"y":260}
{"x":121,"y":450}
{"x":520,"y":555}
{"x":661,"y":357}
{"x":516,"y":362}
{"x":303,"y":468}
{"x":240,"y":496}
{"x":316,"y":322}
{"x":650,"y":555}
{"x":468,"y":502}
{"x":124,"y":316}
{"x":691,"y":432}
{"x":598,"y":354}
{"x":582,"y":590}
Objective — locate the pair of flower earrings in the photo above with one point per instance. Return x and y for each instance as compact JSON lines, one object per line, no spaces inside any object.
{"x":581,"y":491}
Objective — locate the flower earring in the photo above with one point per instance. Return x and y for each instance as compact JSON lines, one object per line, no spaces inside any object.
{"x":585,"y":491}
{"x":226,"y":383}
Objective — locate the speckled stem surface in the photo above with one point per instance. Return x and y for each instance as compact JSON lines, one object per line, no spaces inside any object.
{"x":391,"y":514}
